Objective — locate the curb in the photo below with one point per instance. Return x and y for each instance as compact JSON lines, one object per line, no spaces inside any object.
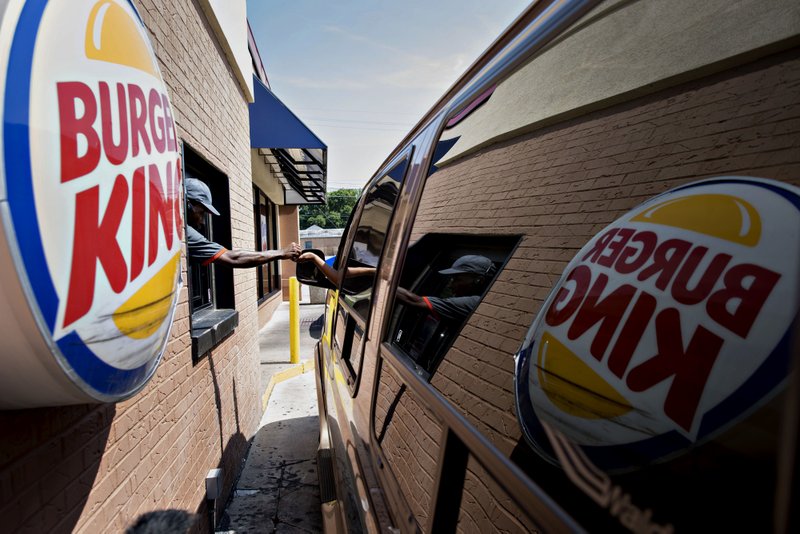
{"x":298,"y":369}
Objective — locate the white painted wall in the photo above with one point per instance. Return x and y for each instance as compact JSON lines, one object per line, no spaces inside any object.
{"x":229,"y":20}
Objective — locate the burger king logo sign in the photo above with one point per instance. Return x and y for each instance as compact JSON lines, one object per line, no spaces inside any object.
{"x":92,"y":179}
{"x":670,"y":325}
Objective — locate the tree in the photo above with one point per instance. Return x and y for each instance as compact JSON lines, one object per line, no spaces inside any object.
{"x":334,"y":214}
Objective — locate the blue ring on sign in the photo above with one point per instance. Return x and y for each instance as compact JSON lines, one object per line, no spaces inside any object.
{"x":744,"y":400}
{"x":105,"y":379}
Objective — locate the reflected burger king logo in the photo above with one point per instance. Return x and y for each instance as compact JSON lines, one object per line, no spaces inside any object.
{"x":93,"y":173}
{"x":669,"y":325}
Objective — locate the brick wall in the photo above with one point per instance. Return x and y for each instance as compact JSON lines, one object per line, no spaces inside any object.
{"x":95,"y":468}
{"x":561,"y":185}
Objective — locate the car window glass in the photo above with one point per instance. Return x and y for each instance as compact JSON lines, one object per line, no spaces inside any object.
{"x":369,"y":238}
{"x":554,"y":183}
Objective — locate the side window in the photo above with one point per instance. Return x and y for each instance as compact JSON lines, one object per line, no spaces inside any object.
{"x":355,"y":297}
{"x":370,"y":235}
{"x":211,"y":293}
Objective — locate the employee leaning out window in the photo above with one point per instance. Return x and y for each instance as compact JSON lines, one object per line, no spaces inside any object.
{"x":203,"y":251}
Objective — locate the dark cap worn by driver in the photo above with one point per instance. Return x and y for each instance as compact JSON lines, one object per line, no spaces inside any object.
{"x":470,"y":264}
{"x":197,"y":191}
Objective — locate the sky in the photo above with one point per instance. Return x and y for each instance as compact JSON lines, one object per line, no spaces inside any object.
{"x":361,"y":73}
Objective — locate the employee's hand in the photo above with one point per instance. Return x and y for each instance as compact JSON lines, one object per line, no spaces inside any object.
{"x":292,"y":252}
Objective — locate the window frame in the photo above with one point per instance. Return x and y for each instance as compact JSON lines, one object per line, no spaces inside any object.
{"x":504,"y":246}
{"x":210,"y":324}
{"x":351,"y":372}
{"x":271,"y":270}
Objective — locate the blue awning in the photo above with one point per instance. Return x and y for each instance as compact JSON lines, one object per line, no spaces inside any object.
{"x":298,"y":157}
{"x":273,"y":125}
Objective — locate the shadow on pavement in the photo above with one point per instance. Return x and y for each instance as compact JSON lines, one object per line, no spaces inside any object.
{"x":278,"y":489}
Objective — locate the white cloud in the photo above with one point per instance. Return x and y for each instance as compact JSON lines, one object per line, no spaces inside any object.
{"x":320,"y":83}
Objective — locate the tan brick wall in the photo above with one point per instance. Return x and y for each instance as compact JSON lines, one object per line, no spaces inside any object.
{"x":95,"y":468}
{"x":410,"y":438}
{"x":267,"y":308}
{"x":561,"y":185}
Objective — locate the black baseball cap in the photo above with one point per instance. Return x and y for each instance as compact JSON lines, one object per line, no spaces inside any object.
{"x":471,"y":264}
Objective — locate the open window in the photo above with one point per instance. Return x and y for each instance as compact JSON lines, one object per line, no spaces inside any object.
{"x":211,"y":295}
{"x":449,"y":274}
{"x":361,"y":265}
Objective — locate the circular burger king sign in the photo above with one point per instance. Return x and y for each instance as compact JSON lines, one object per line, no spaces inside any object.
{"x":670,"y":325}
{"x":91,"y":178}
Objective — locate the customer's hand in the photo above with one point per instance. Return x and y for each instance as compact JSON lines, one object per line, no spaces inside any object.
{"x":308,"y":256}
{"x":292,"y":252}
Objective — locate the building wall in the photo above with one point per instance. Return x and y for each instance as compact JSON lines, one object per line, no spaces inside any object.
{"x":268,"y":307}
{"x":328,"y":245}
{"x":289,"y":224}
{"x":95,"y":468}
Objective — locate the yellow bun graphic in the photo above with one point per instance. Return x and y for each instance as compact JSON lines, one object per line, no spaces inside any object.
{"x":146,"y":310}
{"x":573,"y":386}
{"x":723,"y":216}
{"x":113,"y":36}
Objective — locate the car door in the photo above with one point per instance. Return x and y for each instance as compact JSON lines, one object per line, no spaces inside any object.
{"x":349,"y":310}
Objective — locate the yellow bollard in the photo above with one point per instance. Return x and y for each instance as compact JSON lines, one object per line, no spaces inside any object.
{"x":294,"y":320}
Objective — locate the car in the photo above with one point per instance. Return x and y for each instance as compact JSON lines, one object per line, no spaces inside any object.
{"x":568,"y":299}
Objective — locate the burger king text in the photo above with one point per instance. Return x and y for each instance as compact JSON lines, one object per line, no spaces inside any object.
{"x":142,"y":124}
{"x":671,"y":265}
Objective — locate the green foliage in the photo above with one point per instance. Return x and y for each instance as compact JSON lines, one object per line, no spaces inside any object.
{"x":334,"y":214}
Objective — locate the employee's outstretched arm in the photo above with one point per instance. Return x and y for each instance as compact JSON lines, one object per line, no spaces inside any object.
{"x":246,"y":258}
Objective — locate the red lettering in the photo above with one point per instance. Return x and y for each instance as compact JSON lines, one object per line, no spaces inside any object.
{"x":174,"y":193}
{"x":95,"y":240}
{"x":116,"y":153}
{"x":666,"y":259}
{"x":73,"y":165}
{"x":631,"y":258}
{"x":159,"y":211}
{"x":599,"y":245}
{"x":615,"y":247}
{"x":680,"y":288}
{"x":138,"y":108}
{"x":631,"y":333}
{"x":735,"y":306}
{"x":156,"y":122}
{"x":688,"y":368}
{"x":608,"y":312}
{"x":139,"y":192}
{"x":169,"y":125}
{"x":566,"y":303}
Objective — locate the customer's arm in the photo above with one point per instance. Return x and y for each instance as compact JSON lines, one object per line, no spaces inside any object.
{"x":330,"y":273}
